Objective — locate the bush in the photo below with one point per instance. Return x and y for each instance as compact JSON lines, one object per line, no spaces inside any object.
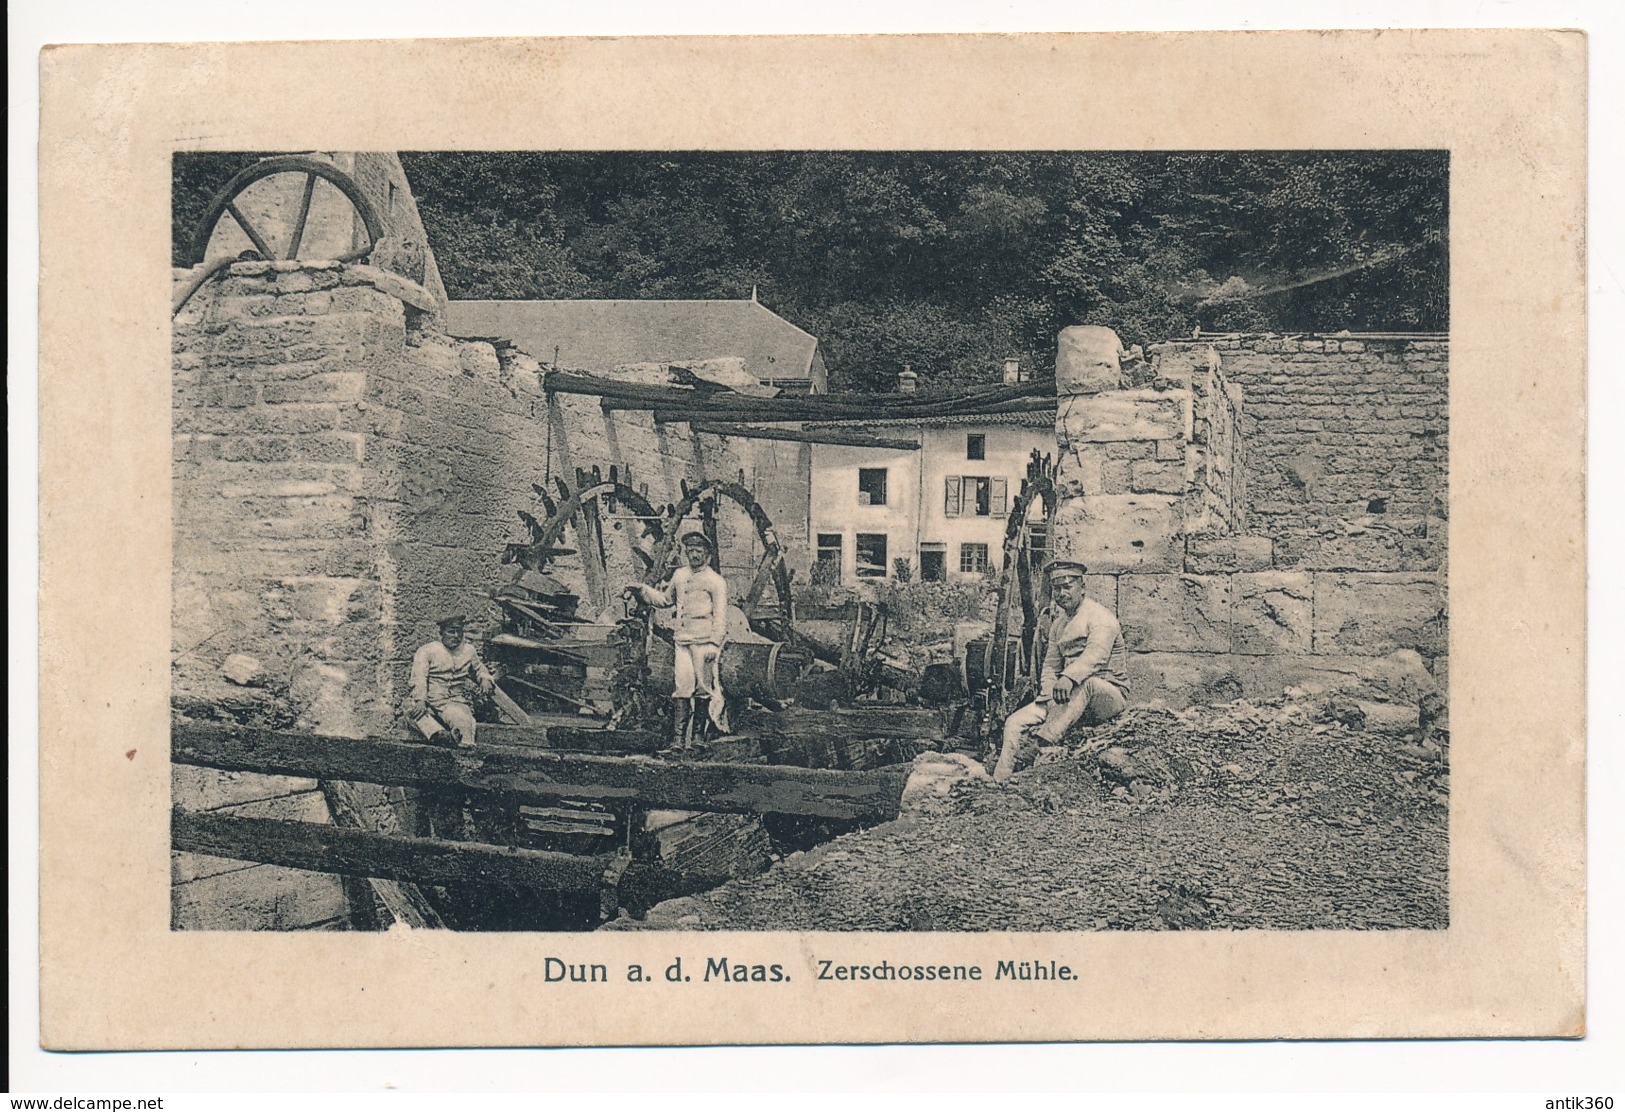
{"x":902,"y":570}
{"x":929,"y":611}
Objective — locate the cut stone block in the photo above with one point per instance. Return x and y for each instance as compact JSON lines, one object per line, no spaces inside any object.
{"x":1273,"y":612}
{"x":1175,"y":613}
{"x":1212,"y":555}
{"x":1183,"y":363}
{"x":1374,"y":551}
{"x":1179,"y":680}
{"x":1088,"y":359}
{"x":1151,"y":477}
{"x":1112,"y":533}
{"x":1081,"y":470}
{"x":479,"y":360}
{"x":1376,"y":613}
{"x":1266,"y":677}
{"x":1103,"y":589}
{"x":1122,"y":415}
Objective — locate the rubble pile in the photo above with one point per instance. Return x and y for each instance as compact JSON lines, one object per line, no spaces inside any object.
{"x":1239,"y":816}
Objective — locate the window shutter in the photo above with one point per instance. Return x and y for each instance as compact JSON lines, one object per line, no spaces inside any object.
{"x":1001,"y":497}
{"x":950,"y":501}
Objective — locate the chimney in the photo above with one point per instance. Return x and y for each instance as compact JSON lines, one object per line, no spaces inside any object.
{"x":1012,"y":371}
{"x":907,"y":380}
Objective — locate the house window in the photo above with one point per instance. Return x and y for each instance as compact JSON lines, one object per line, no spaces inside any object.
{"x":871,"y":486}
{"x":933,"y":562}
{"x":828,"y":567}
{"x":976,"y":445}
{"x":872,"y":562}
{"x":976,"y":496}
{"x":973,"y":557}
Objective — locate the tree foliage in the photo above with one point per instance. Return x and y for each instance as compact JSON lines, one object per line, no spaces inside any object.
{"x":953,"y":261}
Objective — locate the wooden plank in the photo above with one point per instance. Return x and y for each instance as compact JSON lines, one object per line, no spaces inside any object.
{"x":628,"y":395}
{"x":403,"y":903}
{"x":334,"y":849}
{"x":571,"y":739}
{"x":540,"y":774}
{"x":805,"y":436}
{"x":506,"y":704}
{"x":912,"y":723}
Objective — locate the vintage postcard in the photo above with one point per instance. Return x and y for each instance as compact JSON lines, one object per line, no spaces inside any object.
{"x":714,"y":541}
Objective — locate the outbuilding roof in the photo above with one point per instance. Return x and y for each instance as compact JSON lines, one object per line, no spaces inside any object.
{"x":598,"y":336}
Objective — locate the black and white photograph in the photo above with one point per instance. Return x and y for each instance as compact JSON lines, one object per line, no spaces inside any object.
{"x":753,"y":541}
{"x":811,"y":541}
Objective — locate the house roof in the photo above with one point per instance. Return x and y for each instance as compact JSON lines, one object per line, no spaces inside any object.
{"x":601,"y":335}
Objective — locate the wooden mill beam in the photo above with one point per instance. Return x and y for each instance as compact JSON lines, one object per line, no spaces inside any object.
{"x":775,"y":411}
{"x":829,"y":436}
{"x":684,"y":404}
{"x":320,"y":848}
{"x":539,"y":774}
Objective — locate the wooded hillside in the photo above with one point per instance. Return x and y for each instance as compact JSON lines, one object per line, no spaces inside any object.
{"x":947,"y":261}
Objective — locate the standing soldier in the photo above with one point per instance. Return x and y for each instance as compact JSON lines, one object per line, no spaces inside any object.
{"x":445,"y":675}
{"x":700,"y":595}
{"x":1082,"y":681}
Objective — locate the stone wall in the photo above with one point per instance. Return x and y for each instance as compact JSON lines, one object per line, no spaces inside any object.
{"x":1348,"y":446}
{"x":1140,"y":469}
{"x":343,"y":473}
{"x":1289,"y":532}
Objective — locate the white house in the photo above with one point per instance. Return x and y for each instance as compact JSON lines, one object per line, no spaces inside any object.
{"x":942,"y":508}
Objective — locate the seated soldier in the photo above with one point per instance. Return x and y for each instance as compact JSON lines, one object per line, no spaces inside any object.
{"x":445,"y":675}
{"x":1082,"y":680}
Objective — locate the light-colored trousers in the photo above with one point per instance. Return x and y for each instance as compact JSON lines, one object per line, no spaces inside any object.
{"x":454,"y":716}
{"x":1045,"y":723}
{"x":698,"y":670}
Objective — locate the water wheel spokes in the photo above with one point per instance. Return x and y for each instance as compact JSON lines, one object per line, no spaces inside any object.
{"x":314,"y":170}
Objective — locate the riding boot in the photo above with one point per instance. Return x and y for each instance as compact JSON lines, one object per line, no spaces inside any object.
{"x":701,"y":732}
{"x":682,"y":719}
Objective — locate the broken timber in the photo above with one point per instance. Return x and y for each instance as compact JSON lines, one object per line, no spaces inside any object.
{"x":317,"y":847}
{"x":679,"y":404}
{"x":402,"y":901}
{"x":573,"y":739}
{"x":843,"y":439}
{"x":538,"y":774}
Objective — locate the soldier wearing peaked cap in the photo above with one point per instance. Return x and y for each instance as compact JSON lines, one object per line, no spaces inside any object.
{"x":1083,"y":679}
{"x":446,"y":673}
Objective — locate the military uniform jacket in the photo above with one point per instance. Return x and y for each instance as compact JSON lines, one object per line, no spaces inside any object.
{"x":1086,"y":643}
{"x":701,"y":598}
{"x":441,"y":675}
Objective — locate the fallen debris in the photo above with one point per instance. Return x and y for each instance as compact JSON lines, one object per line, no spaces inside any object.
{"x":1236,"y":816}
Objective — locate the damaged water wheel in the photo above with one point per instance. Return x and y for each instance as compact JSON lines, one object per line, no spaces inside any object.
{"x":583,"y":511}
{"x":1002,"y":670}
{"x":547,"y":657}
{"x":275,"y":239}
